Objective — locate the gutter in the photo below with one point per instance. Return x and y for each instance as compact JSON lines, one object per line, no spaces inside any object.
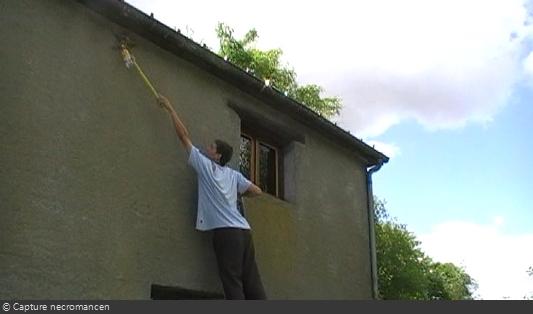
{"x":371,"y":231}
{"x":132,"y":20}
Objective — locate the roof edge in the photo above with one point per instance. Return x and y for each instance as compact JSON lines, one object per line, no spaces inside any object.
{"x":163,"y":36}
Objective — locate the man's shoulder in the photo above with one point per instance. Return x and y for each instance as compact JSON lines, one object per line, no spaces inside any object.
{"x":194,"y":149}
{"x":198,"y":161}
{"x":198,"y":154}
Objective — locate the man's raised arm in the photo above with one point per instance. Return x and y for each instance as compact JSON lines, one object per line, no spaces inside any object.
{"x":181,"y":130}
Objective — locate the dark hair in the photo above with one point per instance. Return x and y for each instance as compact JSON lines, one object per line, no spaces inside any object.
{"x":225,"y":150}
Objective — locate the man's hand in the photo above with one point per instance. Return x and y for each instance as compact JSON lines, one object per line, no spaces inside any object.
{"x":165,"y":103}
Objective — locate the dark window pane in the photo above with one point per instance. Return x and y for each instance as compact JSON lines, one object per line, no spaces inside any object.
{"x":267,"y":169}
{"x":245,"y":162}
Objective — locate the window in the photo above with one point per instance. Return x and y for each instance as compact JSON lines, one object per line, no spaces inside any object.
{"x":260,"y":163}
{"x":245,"y":162}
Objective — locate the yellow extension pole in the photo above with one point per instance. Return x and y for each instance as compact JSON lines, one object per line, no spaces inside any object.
{"x":146,"y":81}
{"x":129,"y":60}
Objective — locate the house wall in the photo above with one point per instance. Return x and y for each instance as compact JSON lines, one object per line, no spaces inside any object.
{"x":96,"y":198}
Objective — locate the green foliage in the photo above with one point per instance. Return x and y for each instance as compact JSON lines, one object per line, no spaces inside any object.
{"x":310,"y":96}
{"x":449,"y":282}
{"x":406,"y":273}
{"x":530,"y":273}
{"x":266,"y":65}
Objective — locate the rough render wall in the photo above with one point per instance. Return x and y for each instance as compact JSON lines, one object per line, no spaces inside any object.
{"x":326,"y":221}
{"x":96,"y":198}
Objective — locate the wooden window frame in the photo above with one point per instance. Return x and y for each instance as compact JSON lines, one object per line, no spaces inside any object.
{"x":259,"y":142}
{"x":256,"y":141}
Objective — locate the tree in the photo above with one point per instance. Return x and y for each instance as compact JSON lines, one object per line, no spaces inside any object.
{"x":529,"y":271}
{"x":405,"y":272}
{"x":449,"y":282}
{"x":402,"y":267}
{"x":266,"y":65}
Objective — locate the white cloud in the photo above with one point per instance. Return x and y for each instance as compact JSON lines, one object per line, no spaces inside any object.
{"x":528,"y":67}
{"x":497,"y":260}
{"x":390,"y":149}
{"x":498,"y":220}
{"x":443,"y":63}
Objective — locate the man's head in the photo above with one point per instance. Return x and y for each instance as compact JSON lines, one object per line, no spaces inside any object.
{"x":220,"y":152}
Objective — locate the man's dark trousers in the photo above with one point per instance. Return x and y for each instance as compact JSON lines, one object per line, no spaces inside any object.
{"x":234,"y":249}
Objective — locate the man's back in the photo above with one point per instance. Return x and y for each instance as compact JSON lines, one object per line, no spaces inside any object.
{"x":217,"y":193}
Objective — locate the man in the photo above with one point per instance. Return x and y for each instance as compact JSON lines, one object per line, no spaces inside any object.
{"x":218,"y":186}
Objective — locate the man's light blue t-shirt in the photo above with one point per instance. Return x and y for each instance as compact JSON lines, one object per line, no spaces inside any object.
{"x":217,"y":194}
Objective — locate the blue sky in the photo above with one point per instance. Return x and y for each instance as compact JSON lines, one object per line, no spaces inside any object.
{"x":444,"y":87}
{"x":475,"y":173}
{"x":475,"y":184}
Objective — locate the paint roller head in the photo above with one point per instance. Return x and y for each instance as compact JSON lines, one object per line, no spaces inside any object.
{"x":126,"y":56}
{"x":124,"y":44}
